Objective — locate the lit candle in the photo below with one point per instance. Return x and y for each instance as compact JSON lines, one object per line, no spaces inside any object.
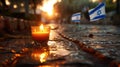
{"x":40,"y":33}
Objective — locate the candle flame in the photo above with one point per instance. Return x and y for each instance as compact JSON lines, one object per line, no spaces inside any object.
{"x":41,"y":27}
{"x":48,"y":6}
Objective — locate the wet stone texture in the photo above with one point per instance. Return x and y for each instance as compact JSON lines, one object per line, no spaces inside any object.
{"x":105,"y":39}
{"x":58,"y":51}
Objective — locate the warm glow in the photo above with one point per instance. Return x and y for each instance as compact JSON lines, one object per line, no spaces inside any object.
{"x":0,"y":4}
{"x":40,"y":33}
{"x":15,"y":6}
{"x":48,"y":6}
{"x":18,"y":55}
{"x":114,"y":1}
{"x":43,"y":57}
{"x":41,"y":27}
{"x":50,"y":43}
{"x":22,"y":4}
{"x":59,"y":0}
{"x":7,"y":2}
{"x":94,"y":1}
{"x":30,"y":6}
{"x":98,"y":46}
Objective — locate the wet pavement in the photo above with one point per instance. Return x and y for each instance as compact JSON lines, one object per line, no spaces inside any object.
{"x":106,"y":39}
{"x":59,"y":52}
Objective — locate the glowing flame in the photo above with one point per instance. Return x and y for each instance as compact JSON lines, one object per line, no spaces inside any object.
{"x":48,"y":6}
{"x":41,"y":27}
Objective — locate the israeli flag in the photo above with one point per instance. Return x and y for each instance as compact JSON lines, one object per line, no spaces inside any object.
{"x":76,"y":17}
{"x":97,"y":12}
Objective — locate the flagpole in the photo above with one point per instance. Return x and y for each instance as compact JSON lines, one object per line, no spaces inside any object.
{"x":104,"y":20}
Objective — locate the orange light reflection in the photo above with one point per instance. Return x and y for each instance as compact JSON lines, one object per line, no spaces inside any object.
{"x":43,"y":57}
{"x":40,"y":54}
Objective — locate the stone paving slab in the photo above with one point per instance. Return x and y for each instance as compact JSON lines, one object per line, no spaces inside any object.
{"x":62,"y":52}
{"x":103,"y":39}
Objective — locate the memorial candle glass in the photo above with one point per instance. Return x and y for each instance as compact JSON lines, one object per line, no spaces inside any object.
{"x":40,"y":33}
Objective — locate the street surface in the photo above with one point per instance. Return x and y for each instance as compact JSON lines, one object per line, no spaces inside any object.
{"x":106,"y":39}
{"x":61,"y":52}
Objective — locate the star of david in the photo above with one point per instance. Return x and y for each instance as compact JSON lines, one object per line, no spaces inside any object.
{"x":99,"y":12}
{"x":77,"y":17}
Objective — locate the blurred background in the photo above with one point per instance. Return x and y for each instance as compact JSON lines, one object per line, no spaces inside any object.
{"x":71,"y":43}
{"x":63,"y":9}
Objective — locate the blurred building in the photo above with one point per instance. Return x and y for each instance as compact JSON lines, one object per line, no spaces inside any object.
{"x":27,"y":6}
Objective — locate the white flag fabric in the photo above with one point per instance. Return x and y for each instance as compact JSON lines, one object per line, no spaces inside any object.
{"x":97,"y":12}
{"x":76,"y":17}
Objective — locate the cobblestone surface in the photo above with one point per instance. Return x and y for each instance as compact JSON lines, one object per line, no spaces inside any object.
{"x":62,"y":52}
{"x":105,"y":39}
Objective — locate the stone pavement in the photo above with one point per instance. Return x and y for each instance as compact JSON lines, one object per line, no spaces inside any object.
{"x":61,"y":52}
{"x":105,"y":40}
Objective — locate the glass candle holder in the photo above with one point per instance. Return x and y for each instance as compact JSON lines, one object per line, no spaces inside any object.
{"x":40,"y":33}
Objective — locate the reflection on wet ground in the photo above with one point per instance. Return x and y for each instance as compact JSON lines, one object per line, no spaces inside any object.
{"x":59,"y":52}
{"x":24,"y":52}
{"x":106,"y":38}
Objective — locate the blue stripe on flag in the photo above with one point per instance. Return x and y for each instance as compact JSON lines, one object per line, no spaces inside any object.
{"x":75,"y":20}
{"x":97,"y":8}
{"x":99,"y":17}
{"x":77,"y":14}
